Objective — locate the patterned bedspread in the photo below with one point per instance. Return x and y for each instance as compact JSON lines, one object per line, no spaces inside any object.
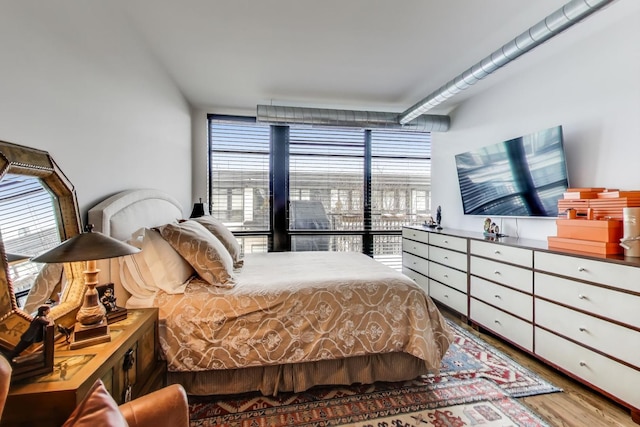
{"x":295,"y":307}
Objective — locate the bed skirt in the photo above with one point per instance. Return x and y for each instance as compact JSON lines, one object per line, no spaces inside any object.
{"x":270,"y":380}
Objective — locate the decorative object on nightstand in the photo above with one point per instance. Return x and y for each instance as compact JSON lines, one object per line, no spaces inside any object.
{"x":92,"y":327}
{"x":439,"y":217}
{"x":198,"y":210}
{"x":108,"y":299}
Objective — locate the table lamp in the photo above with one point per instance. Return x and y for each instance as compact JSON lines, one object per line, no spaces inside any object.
{"x":92,"y":327}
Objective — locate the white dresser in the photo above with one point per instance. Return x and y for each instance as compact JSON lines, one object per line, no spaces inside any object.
{"x":438,"y":263}
{"x":578,"y":313}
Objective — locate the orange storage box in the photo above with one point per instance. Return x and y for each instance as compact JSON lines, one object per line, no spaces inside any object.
{"x":598,"y":230}
{"x":588,"y":246}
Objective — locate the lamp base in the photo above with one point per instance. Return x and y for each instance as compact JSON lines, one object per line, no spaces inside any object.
{"x":84,"y":336}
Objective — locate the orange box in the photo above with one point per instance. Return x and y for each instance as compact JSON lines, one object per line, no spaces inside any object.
{"x":598,"y":230}
{"x":588,"y":246}
{"x":614,"y":194}
{"x":572,"y":195}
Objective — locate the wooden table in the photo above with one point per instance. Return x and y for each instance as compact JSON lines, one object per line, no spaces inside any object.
{"x":49,"y":399}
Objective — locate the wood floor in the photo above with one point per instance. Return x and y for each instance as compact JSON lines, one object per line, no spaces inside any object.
{"x":576,"y":406}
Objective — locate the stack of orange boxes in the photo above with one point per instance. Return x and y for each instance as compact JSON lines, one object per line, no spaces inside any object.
{"x":597,"y":227}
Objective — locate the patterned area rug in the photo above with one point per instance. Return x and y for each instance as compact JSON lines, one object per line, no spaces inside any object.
{"x":476,"y":385}
{"x":450,"y":404}
{"x":471,"y":357}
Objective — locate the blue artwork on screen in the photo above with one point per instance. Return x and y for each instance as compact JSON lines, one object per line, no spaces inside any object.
{"x":525,"y":176}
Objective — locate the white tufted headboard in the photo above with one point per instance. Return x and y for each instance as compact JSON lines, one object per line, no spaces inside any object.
{"x":126,"y":212}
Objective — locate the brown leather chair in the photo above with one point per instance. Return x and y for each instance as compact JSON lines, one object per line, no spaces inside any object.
{"x":5,"y":381}
{"x":165,"y":407}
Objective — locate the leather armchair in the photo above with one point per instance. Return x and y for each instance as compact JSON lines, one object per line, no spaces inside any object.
{"x":5,"y":381}
{"x":165,"y":407}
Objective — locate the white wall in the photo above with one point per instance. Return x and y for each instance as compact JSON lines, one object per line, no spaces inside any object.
{"x":592,"y":89}
{"x":94,"y":97}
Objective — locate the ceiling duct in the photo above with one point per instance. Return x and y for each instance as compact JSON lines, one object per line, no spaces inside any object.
{"x":563,"y":18}
{"x":349,"y":118}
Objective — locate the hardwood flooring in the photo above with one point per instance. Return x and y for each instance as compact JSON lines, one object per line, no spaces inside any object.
{"x":576,"y":406}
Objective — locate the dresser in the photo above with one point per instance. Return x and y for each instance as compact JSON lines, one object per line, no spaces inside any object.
{"x":439,"y":264}
{"x":579,"y":313}
{"x":49,"y":399}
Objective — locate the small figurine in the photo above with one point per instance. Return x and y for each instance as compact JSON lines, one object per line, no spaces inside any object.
{"x":487,"y":225}
{"x":108,"y":299}
{"x":34,"y":333}
{"x":439,"y":217}
{"x":66,"y":331}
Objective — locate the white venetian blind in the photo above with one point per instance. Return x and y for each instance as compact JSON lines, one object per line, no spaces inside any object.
{"x":239,"y":174}
{"x":326,"y":173}
{"x":400,"y":178}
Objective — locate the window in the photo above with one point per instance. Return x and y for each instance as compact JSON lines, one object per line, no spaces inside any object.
{"x":239,"y":180}
{"x":330,"y":176}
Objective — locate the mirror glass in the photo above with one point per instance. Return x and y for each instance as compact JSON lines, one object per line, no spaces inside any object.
{"x":38,"y":210}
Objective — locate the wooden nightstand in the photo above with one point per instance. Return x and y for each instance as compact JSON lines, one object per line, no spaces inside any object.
{"x":49,"y":399}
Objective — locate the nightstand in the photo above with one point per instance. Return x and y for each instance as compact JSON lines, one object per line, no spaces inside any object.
{"x":49,"y":399}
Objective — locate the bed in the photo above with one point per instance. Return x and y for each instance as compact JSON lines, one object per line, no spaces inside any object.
{"x":269,"y":322}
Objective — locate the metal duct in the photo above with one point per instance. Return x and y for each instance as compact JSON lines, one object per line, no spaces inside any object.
{"x":563,"y":18}
{"x":349,"y":118}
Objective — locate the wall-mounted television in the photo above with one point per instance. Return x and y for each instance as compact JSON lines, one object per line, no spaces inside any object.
{"x":522,"y":177}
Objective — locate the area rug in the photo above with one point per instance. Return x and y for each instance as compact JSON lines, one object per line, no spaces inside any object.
{"x":470,"y":357}
{"x":476,"y":385}
{"x":450,"y":404}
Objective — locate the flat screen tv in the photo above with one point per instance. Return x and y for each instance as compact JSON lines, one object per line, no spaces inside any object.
{"x":521,"y":177}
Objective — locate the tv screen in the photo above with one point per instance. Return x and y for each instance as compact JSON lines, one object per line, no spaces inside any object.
{"x":525,"y":176}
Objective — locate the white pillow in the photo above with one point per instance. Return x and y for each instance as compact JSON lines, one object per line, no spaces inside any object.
{"x":169,"y":270}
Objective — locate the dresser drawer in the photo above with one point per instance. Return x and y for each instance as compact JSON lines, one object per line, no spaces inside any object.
{"x":509,"y":275}
{"x":422,"y":281}
{"x":607,"y":303}
{"x":448,"y":296}
{"x":606,"y":374}
{"x":617,"y":341}
{"x":449,"y":258}
{"x":416,"y":248}
{"x":606,"y":273}
{"x":507,"y":299}
{"x":515,"y":330}
{"x":502,"y":253}
{"x":449,"y":276}
{"x":413,"y":234}
{"x":415,"y":263}
{"x":454,"y":243}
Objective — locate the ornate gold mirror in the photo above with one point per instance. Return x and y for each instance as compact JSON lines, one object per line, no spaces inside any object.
{"x":43,"y":191}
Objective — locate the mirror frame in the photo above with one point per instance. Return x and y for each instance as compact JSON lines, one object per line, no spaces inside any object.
{"x":18,"y":159}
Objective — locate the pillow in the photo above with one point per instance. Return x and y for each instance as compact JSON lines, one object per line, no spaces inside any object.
{"x":225,"y":236}
{"x":158,"y":266}
{"x":97,"y":409}
{"x":203,"y":250}
{"x":48,"y":279}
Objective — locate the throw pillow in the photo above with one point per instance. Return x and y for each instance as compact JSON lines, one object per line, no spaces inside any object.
{"x":225,"y":235}
{"x":206,"y":254}
{"x":97,"y":409}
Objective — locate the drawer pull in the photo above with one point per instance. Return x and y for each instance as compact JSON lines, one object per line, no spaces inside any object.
{"x":446,"y":295}
{"x":583,"y":363}
{"x":580,"y":296}
{"x":446,"y":241}
{"x":446,"y":257}
{"x":496,"y":321}
{"x":446,"y":276}
{"x":581,"y":269}
{"x":582,"y":329}
{"x":497,"y":252}
{"x":414,"y":263}
{"x":497,"y":273}
{"x":497,"y":296}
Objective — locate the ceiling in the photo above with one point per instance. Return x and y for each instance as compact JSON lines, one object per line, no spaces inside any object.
{"x":227,"y":56}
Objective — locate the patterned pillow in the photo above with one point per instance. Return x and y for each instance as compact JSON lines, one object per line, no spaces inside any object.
{"x":223,"y":234}
{"x":206,"y":254}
